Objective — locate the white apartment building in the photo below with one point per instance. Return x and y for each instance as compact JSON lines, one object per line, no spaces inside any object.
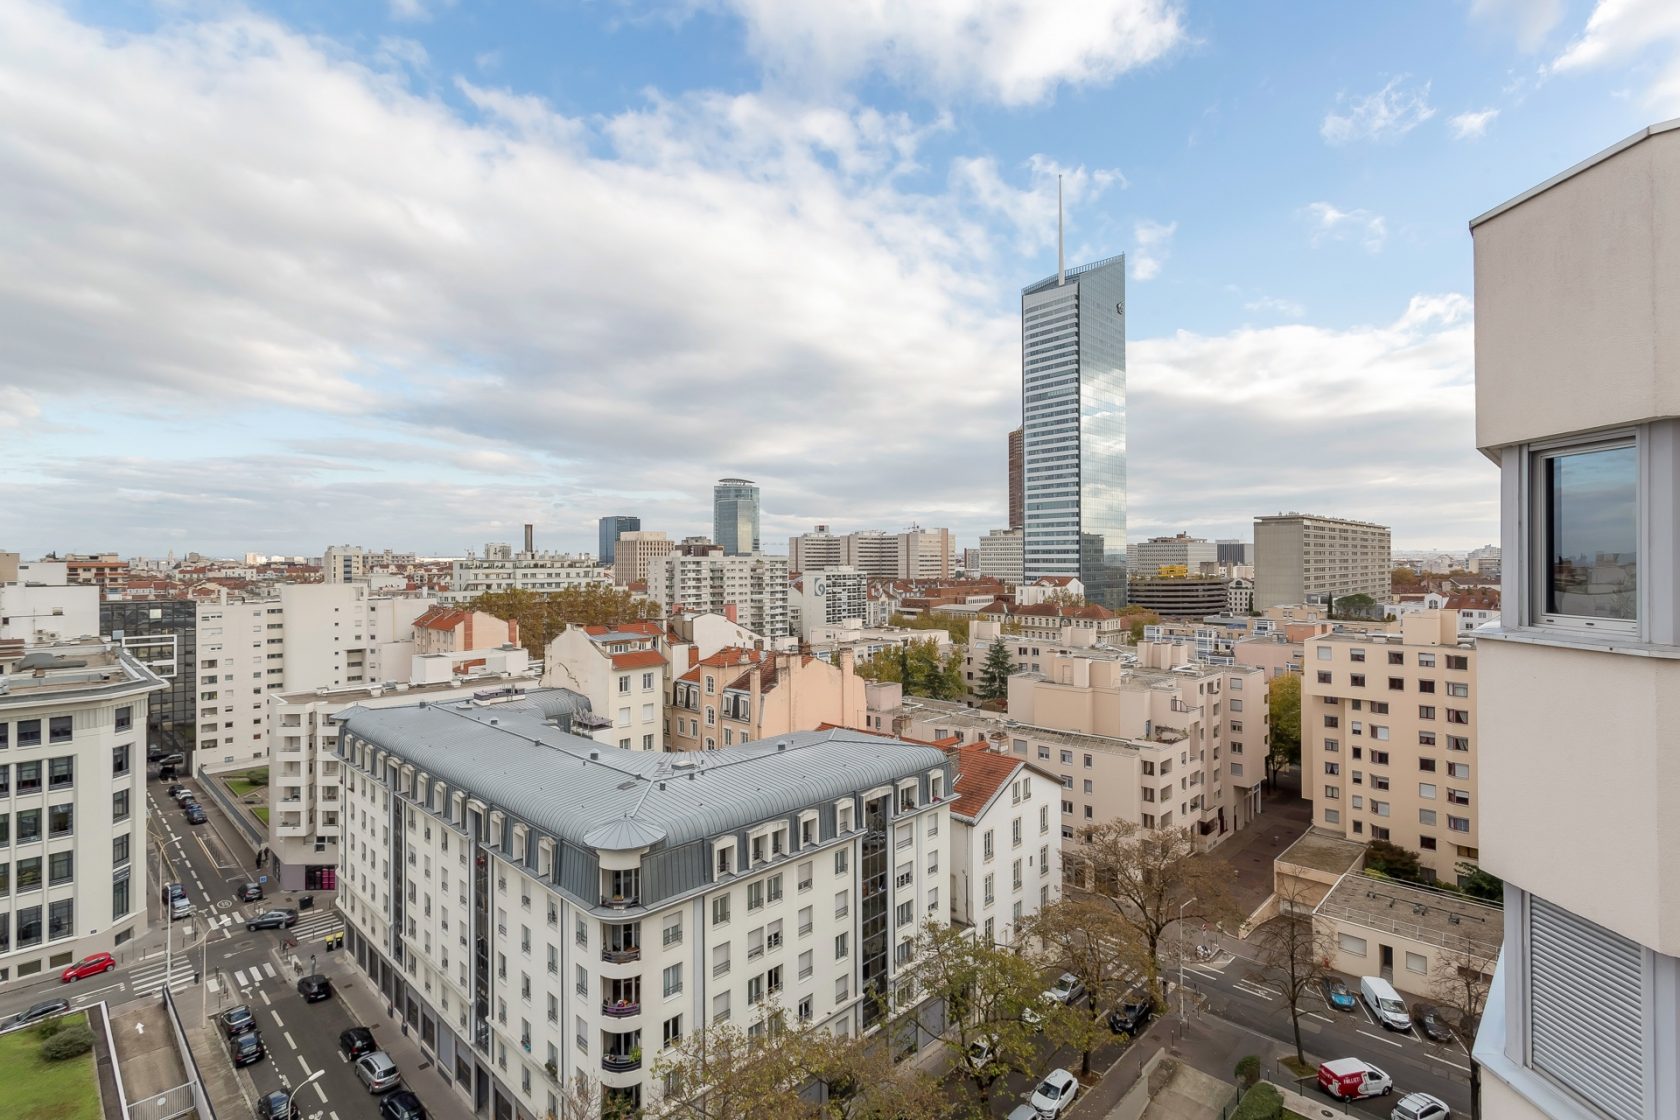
{"x":1003,"y":555}
{"x":916,"y":553}
{"x":72,"y":803}
{"x":926,"y":554}
{"x":1578,"y":402}
{"x":875,"y":552}
{"x":1388,"y":738}
{"x":343,"y":563}
{"x":537,"y":906}
{"x":623,"y":672}
{"x":1145,"y":558}
{"x":635,"y":551}
{"x":751,"y":590}
{"x":1006,"y":844}
{"x":311,"y":636}
{"x":502,"y":569}
{"x":38,"y":604}
{"x":830,"y":598}
{"x":1239,"y":596}
{"x":306,"y":780}
{"x":1300,"y":558}
{"x":816,"y":551}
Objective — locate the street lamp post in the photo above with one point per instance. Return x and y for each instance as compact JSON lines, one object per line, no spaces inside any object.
{"x":301,"y":1084}
{"x":1181,"y":907}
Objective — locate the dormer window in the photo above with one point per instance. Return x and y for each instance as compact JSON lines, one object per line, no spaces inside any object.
{"x":724,"y":857}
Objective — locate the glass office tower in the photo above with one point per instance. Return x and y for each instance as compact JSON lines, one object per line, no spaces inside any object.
{"x":735,"y":516}
{"x":611,"y":529}
{"x":1073,"y":412}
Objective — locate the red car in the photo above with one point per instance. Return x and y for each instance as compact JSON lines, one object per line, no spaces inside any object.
{"x":89,"y":966}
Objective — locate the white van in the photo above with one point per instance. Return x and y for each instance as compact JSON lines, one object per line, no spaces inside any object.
{"x":1385,"y":1003}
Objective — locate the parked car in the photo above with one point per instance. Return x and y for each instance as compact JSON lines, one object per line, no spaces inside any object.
{"x":1067,"y":989}
{"x":1336,"y":994}
{"x":89,"y":966}
{"x":1431,"y":1023}
{"x":195,"y":815}
{"x":237,"y":1020}
{"x":980,"y":1054}
{"x":1134,"y":1011}
{"x":168,"y":773}
{"x":250,"y":892}
{"x":1349,"y":1079}
{"x":1023,"y":1112}
{"x":1385,"y":1003}
{"x":176,"y":759}
{"x":1032,"y":1018}
{"x":280,"y":918}
{"x":355,"y":1042}
{"x":182,"y":795}
{"x":274,"y":1107}
{"x":402,"y":1105}
{"x":46,"y":1009}
{"x":1420,"y":1106}
{"x":1055,"y":1093}
{"x":314,"y":988}
{"x":155,"y":753}
{"x":172,"y":891}
{"x":174,"y":788}
{"x":246,"y":1048}
{"x":180,"y":908}
{"x":377,"y":1071}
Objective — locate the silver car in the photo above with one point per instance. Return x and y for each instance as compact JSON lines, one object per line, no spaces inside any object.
{"x":378,"y":1072}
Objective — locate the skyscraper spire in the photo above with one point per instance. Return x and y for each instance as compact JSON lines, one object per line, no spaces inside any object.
{"x":1061,"y":267}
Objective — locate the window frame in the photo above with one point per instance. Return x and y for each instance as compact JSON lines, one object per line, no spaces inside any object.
{"x":1534,"y":532}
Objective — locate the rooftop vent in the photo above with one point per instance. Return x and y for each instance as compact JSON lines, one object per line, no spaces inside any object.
{"x":594,"y":756}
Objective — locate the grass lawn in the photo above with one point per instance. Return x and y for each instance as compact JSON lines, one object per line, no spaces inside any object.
{"x":239,"y":787}
{"x":35,"y":1090}
{"x":261,"y":813}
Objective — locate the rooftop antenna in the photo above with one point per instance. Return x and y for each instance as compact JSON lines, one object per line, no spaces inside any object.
{"x":1061,"y":264}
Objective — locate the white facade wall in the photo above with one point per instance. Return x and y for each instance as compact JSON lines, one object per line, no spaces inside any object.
{"x":1003,"y":555}
{"x":984,"y":887}
{"x":832,"y":598}
{"x":756,"y":586}
{"x":40,"y":612}
{"x":544,"y":571}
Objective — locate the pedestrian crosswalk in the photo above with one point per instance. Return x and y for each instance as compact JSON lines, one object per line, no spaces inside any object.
{"x":149,"y":979}
{"x":256,"y":974}
{"x":309,"y":926}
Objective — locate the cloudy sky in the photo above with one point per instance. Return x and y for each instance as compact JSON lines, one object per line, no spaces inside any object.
{"x":410,"y":274}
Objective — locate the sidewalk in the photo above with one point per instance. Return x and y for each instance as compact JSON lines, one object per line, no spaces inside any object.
{"x":366,"y":1006}
{"x":1249,"y":854}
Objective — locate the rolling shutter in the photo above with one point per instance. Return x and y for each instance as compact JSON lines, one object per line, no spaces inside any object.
{"x":1588,"y":1009}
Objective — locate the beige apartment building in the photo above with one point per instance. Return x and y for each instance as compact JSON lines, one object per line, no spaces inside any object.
{"x":1299,"y":558}
{"x":1578,"y":402}
{"x":1139,"y":735}
{"x":637,"y":552}
{"x":740,"y":695}
{"x":1388,"y":738}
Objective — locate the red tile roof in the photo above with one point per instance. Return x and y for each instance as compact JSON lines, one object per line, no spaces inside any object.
{"x":725,"y":658}
{"x":638,"y":659}
{"x":981,"y":773}
{"x":651,"y":629}
{"x":440,"y":618}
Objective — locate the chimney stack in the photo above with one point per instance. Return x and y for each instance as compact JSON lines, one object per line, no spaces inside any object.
{"x":530,"y":539}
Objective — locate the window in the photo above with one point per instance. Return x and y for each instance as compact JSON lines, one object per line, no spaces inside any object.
{"x":673,"y":980}
{"x":1332,"y":721}
{"x":1357,"y":680}
{"x":989,"y":884}
{"x":1457,"y":662}
{"x":720,"y":909}
{"x":1458,"y":770}
{"x":1458,"y":824}
{"x":125,"y":718}
{"x":1351,"y":944}
{"x":1323,"y":676}
{"x":842,"y":903}
{"x":986,"y":845}
{"x":1458,"y":715}
{"x":1426,"y":791}
{"x":671,"y":1034}
{"x":1015,"y":833}
{"x":1426,"y":738}
{"x":1332,"y":816}
{"x":120,"y":756}
{"x":119,"y":805}
{"x":1332,"y":792}
{"x":1586,"y":518}
{"x":1426,"y":817}
{"x":58,"y":729}
{"x":29,"y":733}
{"x":672,"y":934}
{"x":1578,"y":1029}
{"x":1426,"y":711}
{"x":1379,"y":758}
{"x":119,"y":850}
{"x":1332,"y":768}
{"x":1324,"y":653}
{"x":1396,"y":657}
{"x":1427,"y":843}
{"x":61,"y":772}
{"x":840,"y":861}
{"x":61,"y":820}
{"x":61,"y":868}
{"x":1427,"y":765}
{"x":1356,"y":654}
{"x":842,"y":945}
{"x":1426,"y":686}
{"x":755,"y":896}
{"x":1458,"y":689}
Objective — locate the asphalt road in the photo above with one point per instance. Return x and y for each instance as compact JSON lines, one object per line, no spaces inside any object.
{"x":1235,"y":989}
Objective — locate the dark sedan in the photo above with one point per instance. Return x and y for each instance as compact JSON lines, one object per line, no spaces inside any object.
{"x":237,"y":1020}
{"x":246,"y":1048}
{"x":274,"y":1106}
{"x":195,"y":815}
{"x":284,"y":918}
{"x":1431,"y":1023}
{"x":402,"y":1105}
{"x":44,"y":1010}
{"x":355,"y":1042}
{"x":314,"y":988}
{"x":1131,"y":1015}
{"x":250,"y":892}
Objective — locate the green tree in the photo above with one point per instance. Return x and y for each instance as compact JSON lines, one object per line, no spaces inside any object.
{"x":920,"y":667}
{"x":543,"y":615}
{"x":1090,"y":940}
{"x":1394,"y":861}
{"x":1062,"y":597}
{"x":1283,"y":700}
{"x":1359,"y":606}
{"x":1136,"y":618}
{"x":1476,"y":883}
{"x":995,"y":673}
{"x":885,"y":667}
{"x":956,"y":627}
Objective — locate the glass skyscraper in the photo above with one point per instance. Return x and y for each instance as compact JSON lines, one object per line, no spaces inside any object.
{"x":735,"y":516}
{"x":611,"y":529}
{"x":1073,"y":412}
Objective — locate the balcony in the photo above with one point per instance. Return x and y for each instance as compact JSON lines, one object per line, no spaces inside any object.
{"x":621,"y":1063}
{"x":620,"y":1008}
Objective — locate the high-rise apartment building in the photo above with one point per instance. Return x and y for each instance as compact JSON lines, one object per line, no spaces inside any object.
{"x":502,"y":569}
{"x":925,"y":554}
{"x":1233,"y":553}
{"x":1388,"y":738}
{"x":343,"y":563}
{"x":816,"y":550}
{"x":73,"y":802}
{"x":1578,"y":401}
{"x":1002,"y":555}
{"x":615,"y":901}
{"x":1147,"y":558}
{"x":611,"y":528}
{"x":1017,"y":489}
{"x":1073,"y":412}
{"x":830,"y":597}
{"x":750,"y":590}
{"x":735,"y":516}
{"x":1299,"y":558}
{"x":916,"y":553}
{"x":636,"y":551}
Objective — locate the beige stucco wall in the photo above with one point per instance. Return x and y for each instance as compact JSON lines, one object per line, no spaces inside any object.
{"x":1406,"y":978}
{"x":1599,"y":256}
{"x":1581,"y":766}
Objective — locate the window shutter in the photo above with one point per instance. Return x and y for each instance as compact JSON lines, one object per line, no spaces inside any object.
{"x":1588,"y":1009}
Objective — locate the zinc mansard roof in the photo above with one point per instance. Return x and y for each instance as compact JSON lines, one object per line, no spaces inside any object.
{"x":603,"y":797}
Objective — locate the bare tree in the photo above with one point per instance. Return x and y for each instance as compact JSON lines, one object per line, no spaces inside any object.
{"x":1097,"y":946}
{"x":1462,"y":978}
{"x":1295,"y":955}
{"x":1148,"y":875}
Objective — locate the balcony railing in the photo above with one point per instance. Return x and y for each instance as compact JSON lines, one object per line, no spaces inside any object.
{"x":621,"y":956}
{"x":620,"y":1008}
{"x":621,"y":1063}
{"x":619,"y":902}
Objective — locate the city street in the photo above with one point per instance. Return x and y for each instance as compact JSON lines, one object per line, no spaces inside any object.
{"x":1234,"y":988}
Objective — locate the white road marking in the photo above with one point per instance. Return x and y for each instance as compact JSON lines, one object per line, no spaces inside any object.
{"x":320,"y":1092}
{"x":84,"y":992}
{"x":1378,"y":1037}
{"x":1210,"y":973}
{"x":269,"y":968}
{"x":239,"y":977}
{"x":1316,"y":1015}
{"x":1254,"y":989}
{"x":1371,"y":1018}
{"x":1444,"y":1062}
{"x":277,"y":1021}
{"x":287,"y":1035}
{"x":307,"y":1072}
{"x":263,"y":992}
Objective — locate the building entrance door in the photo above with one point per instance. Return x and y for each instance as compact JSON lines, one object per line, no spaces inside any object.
{"x":1387,"y":962}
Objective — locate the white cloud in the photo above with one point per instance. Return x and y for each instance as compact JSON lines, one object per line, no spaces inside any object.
{"x":1332,"y":224}
{"x":1472,"y":125}
{"x":1529,"y":20}
{"x":999,"y":50}
{"x":415,"y":11}
{"x":1276,"y":304}
{"x":1387,"y":114}
{"x":1619,"y":33}
{"x":1151,"y":244}
{"x":17,"y":407}
{"x":1031,"y":209}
